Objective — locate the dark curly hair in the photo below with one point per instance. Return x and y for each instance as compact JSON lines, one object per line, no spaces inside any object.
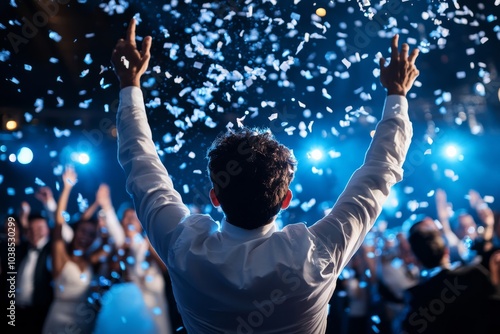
{"x":250,"y":173}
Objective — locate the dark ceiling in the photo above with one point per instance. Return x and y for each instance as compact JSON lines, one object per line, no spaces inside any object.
{"x":54,"y":63}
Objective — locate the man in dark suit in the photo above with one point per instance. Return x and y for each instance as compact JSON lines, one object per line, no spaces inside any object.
{"x":34,"y":290}
{"x":446,"y":300}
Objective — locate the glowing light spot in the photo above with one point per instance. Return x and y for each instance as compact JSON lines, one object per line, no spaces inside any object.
{"x":316,"y":154}
{"x":321,"y":12}
{"x":25,"y":156}
{"x":11,"y":125}
{"x":451,"y":151}
{"x":81,"y":158}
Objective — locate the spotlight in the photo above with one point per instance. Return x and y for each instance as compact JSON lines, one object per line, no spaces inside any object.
{"x":316,"y":154}
{"x":479,"y":89}
{"x":81,"y":158}
{"x":11,"y":125}
{"x":25,"y":156}
{"x":451,"y":151}
{"x":9,"y":122}
{"x":321,"y":12}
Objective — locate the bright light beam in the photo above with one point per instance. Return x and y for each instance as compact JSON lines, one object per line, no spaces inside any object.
{"x":316,"y":154}
{"x":451,"y":151}
{"x":25,"y":156}
{"x":83,"y":158}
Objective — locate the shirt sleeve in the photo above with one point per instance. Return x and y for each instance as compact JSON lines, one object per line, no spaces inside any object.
{"x":341,"y":232}
{"x":159,"y":206}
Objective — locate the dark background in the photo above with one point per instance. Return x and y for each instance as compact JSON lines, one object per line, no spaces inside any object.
{"x":80,"y":93}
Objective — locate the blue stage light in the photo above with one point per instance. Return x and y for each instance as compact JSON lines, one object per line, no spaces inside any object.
{"x":80,"y":157}
{"x":316,"y":154}
{"x":25,"y":155}
{"x":451,"y":151}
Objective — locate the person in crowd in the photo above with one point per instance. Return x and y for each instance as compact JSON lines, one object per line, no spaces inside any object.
{"x":71,"y":269}
{"x":46,"y":197}
{"x":244,"y":275}
{"x":459,"y":249}
{"x":33,"y":260}
{"x":141,"y":277}
{"x":147,"y":271}
{"x":13,"y":245}
{"x":110,"y":230}
{"x":446,"y":300}
{"x":496,"y":230}
{"x":397,"y":272}
{"x":485,"y":241}
{"x":359,"y":282}
{"x":34,"y":291}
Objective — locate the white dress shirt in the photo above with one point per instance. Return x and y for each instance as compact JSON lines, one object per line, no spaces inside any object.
{"x":230,"y":280}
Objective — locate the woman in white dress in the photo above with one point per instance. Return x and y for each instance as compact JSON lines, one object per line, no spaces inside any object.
{"x":72,"y":271}
{"x":138,"y":304}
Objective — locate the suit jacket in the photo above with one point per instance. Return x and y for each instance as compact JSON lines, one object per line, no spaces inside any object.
{"x":453,"y":301}
{"x":43,"y":292}
{"x":44,"y":289}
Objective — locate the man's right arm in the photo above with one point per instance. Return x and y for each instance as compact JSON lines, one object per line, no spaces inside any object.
{"x":159,"y":206}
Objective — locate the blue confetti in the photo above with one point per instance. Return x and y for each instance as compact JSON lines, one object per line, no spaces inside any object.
{"x":39,"y":182}
{"x":4,"y":55}
{"x":55,"y":36}
{"x":77,"y":252}
{"x":88,"y":59}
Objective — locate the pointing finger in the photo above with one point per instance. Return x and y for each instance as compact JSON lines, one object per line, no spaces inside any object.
{"x":131,"y":32}
{"x":394,"y":47}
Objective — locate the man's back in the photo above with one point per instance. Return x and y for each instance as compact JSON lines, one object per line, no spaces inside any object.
{"x":233,"y":281}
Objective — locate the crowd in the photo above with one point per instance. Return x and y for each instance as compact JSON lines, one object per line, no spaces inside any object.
{"x":96,"y":272}
{"x":85,"y":272}
{"x":432,"y":274}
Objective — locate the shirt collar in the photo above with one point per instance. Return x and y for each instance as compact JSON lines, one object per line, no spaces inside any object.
{"x":234,"y":232}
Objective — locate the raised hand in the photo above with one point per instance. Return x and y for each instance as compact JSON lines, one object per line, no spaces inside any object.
{"x":398,"y":77}
{"x":442,"y":205}
{"x":70,"y":178}
{"x":483,"y":211}
{"x":129,"y":63}
{"x":25,"y":209}
{"x":44,"y":195}
{"x":103,"y":197}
